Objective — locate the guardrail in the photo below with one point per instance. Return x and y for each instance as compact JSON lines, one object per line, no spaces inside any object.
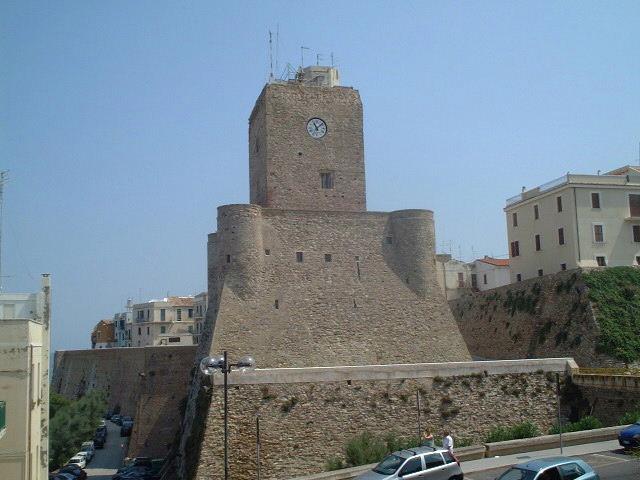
{"x":487,"y":450}
{"x":609,"y":371}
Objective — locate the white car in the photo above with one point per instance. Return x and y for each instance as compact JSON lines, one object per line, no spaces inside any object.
{"x":89,"y":449}
{"x":79,"y":459}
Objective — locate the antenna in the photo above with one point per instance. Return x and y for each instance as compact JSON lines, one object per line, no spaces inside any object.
{"x":332,"y":59}
{"x":4,"y":176}
{"x":270,"y":57}
{"x":302,"y":49}
{"x":277,"y":45}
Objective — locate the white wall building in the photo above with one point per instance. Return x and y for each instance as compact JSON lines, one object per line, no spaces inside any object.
{"x":24,"y":384}
{"x":454,"y":276}
{"x":168,"y":318}
{"x":489,"y":272}
{"x":575,"y":221}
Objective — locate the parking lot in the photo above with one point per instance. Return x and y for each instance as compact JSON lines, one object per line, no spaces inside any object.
{"x":108,"y":459}
{"x":612,"y":465}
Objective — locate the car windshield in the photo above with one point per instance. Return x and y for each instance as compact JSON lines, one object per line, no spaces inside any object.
{"x":515,"y":473}
{"x":389,"y":465}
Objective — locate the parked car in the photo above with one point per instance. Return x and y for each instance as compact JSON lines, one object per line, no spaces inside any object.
{"x":126,"y":428}
{"x":64,"y":476}
{"x":421,"y":462}
{"x":89,"y":449}
{"x":117,"y":419}
{"x":552,"y":468}
{"x":77,"y":472}
{"x":630,"y":437}
{"x":79,"y":460}
{"x":99,"y":439}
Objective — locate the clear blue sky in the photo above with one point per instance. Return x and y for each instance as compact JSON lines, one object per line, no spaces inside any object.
{"x":124,"y":124}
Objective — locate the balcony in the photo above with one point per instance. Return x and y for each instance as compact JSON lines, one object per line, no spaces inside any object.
{"x":3,"y":418}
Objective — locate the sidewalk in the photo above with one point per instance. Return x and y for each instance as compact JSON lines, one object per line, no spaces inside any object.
{"x":497,"y":462}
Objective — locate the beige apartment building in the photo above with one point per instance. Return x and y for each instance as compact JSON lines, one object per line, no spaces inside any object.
{"x":575,"y":221}
{"x":170,"y":321}
{"x":24,"y":384}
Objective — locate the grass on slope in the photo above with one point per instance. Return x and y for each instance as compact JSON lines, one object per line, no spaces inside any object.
{"x":615,"y":293}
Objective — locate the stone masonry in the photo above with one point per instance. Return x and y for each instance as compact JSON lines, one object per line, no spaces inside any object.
{"x":310,"y":417}
{"x":304,"y":276}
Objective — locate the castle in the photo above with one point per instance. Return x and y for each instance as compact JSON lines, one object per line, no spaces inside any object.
{"x":304,"y":275}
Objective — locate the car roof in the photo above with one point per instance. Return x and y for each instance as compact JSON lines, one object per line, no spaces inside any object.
{"x":410,"y":452}
{"x":541,"y":463}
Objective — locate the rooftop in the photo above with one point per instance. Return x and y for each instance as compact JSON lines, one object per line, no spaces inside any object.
{"x":626,"y":175}
{"x":498,"y":262}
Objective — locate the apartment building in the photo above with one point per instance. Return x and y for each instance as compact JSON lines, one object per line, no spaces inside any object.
{"x":122,"y":322}
{"x":575,"y":221}
{"x":104,"y":335}
{"x":454,"y":276}
{"x":170,"y":321}
{"x":200,"y":305}
{"x":24,"y":384}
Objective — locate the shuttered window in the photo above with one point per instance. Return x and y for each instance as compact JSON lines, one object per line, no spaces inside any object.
{"x":634,"y":205}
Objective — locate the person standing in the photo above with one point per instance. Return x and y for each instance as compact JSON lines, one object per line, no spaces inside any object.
{"x":447,"y":442}
{"x":427,"y":439}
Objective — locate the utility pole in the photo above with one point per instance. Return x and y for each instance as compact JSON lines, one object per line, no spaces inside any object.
{"x":4,"y":176}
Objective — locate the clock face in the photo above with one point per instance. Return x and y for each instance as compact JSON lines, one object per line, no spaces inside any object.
{"x":316,"y":128}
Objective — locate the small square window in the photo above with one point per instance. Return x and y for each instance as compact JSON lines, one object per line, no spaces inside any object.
{"x":595,"y":200}
{"x":636,"y":233}
{"x":601,"y":261}
{"x":536,"y":212}
{"x":228,"y":258}
{"x":276,"y":304}
{"x":299,"y":257}
{"x":515,"y":248}
{"x":357,"y":258}
{"x":540,"y":272}
{"x":388,"y":240}
{"x":563,"y":266}
{"x":327,"y":257}
{"x":559,"y":203}
{"x":326,"y":179}
{"x":267,"y":252}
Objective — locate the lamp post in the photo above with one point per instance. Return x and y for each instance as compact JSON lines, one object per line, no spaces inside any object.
{"x":209,"y":366}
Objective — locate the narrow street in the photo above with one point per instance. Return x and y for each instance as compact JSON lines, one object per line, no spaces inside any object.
{"x":108,"y":459}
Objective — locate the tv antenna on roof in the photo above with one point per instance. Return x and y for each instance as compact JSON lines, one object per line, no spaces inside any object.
{"x":302,"y":49}
{"x":4,"y":176}
{"x":270,"y":57}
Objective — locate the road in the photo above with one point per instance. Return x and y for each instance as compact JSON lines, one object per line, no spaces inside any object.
{"x":108,"y":459}
{"x":611,"y":465}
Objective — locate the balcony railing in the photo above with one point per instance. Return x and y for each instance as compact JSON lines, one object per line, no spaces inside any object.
{"x":3,"y":417}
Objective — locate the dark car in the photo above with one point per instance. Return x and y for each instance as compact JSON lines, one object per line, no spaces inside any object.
{"x":117,"y":419}
{"x":125,"y":429}
{"x":99,"y":440}
{"x":74,"y":470}
{"x":630,"y":436}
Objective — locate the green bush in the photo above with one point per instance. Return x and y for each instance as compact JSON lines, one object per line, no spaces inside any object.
{"x":630,"y":417}
{"x":365,"y":448}
{"x":585,"y":423}
{"x":72,"y":422}
{"x":334,"y":463}
{"x":615,"y":293}
{"x":521,"y":430}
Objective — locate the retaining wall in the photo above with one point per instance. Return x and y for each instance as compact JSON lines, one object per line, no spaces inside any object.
{"x":310,"y":413}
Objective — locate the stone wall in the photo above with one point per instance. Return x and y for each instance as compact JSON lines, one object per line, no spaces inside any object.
{"x":148,"y":383}
{"x":549,"y":316}
{"x":307,"y":415}
{"x":365,"y":292}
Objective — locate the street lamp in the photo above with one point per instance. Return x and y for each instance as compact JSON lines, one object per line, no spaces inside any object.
{"x":209,"y":366}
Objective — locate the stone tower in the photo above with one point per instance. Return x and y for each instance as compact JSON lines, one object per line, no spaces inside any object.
{"x":306,"y":150}
{"x":304,"y":276}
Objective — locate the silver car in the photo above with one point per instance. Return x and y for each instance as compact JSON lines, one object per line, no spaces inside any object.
{"x":421,"y":462}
